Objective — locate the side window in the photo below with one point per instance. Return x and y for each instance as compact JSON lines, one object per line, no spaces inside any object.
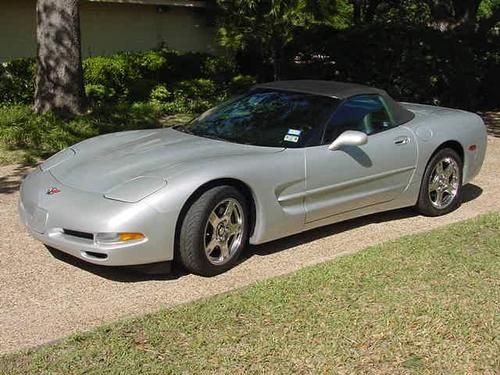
{"x":365,"y":113}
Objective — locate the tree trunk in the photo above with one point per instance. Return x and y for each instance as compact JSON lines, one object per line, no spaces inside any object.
{"x":448,"y":15}
{"x":276,"y":61}
{"x":357,"y":4}
{"x":370,"y":11}
{"x":59,"y":81}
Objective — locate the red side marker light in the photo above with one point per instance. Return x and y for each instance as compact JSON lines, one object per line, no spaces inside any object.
{"x":472,"y":147}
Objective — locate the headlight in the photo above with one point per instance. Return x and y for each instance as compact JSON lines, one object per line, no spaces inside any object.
{"x":136,"y":189}
{"x":114,"y":238}
{"x":57,"y":159}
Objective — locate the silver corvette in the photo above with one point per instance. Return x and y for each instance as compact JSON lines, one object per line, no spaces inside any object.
{"x":284,"y":158}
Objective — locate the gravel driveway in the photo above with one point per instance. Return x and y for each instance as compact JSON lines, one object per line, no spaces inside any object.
{"x":43,"y":298}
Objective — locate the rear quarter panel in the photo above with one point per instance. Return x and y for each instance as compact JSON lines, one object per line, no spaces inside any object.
{"x":433,"y":126}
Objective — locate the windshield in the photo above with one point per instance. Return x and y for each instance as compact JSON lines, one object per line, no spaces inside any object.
{"x":266,"y":118}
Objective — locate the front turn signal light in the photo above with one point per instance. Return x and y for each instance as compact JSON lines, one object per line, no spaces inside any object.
{"x":116,"y":238}
{"x":131,"y":236}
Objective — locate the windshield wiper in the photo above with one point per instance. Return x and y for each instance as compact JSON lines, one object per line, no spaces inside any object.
{"x":185,"y":129}
{"x":182,"y":128}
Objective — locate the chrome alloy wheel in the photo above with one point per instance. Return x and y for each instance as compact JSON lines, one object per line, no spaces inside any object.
{"x":444,"y":183}
{"x":224,"y":231}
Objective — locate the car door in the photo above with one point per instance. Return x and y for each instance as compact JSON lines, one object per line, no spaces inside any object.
{"x":354,"y":177}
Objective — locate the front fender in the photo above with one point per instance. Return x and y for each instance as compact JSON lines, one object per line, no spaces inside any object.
{"x":273,"y":178}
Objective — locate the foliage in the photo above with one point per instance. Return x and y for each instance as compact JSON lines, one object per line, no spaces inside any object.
{"x":45,"y":134}
{"x":160,"y":94}
{"x":125,"y":91}
{"x":137,"y":76}
{"x":241,"y":83}
{"x":123,"y":76}
{"x":115,"y":73}
{"x":99,"y":94}
{"x":424,"y":304}
{"x":267,"y":24}
{"x":21,"y":128}
{"x":414,"y":64}
{"x":337,"y":14}
{"x":193,"y":96}
{"x":17,"y":81}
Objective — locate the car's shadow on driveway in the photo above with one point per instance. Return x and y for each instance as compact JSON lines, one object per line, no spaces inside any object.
{"x":10,"y":182}
{"x":124,"y":274}
{"x":326,"y":231}
{"x":120,"y":274}
{"x":469,"y":193}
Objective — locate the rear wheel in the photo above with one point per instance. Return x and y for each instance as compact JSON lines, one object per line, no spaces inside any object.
{"x":214,"y":231}
{"x":441,"y":188}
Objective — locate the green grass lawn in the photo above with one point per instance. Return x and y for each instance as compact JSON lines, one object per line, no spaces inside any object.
{"x":426,"y":303}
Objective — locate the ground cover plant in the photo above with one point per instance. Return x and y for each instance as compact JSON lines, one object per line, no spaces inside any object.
{"x":426,"y":303}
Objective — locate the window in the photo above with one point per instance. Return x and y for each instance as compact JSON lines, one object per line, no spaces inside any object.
{"x":365,"y":113}
{"x":267,"y":118}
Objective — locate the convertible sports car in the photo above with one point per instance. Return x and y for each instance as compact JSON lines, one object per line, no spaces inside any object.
{"x":284,"y":158}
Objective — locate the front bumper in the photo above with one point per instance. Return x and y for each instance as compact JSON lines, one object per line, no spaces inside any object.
{"x":52,"y":219}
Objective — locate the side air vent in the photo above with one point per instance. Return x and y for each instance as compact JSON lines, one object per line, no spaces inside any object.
{"x":75,"y":233}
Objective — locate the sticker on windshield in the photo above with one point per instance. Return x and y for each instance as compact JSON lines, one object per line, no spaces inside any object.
{"x":294,"y":132}
{"x":291,"y":138}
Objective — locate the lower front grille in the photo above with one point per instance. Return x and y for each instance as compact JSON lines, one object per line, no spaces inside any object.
{"x":75,"y":233}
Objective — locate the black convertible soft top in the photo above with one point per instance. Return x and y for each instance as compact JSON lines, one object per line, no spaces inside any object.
{"x":340,"y":91}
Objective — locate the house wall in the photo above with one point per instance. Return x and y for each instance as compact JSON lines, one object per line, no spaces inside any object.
{"x":111,"y":27}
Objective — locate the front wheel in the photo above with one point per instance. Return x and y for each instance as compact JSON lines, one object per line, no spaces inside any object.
{"x":214,"y":231}
{"x":441,"y":188}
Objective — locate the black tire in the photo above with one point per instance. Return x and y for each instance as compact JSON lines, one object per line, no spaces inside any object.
{"x":193,"y":231}
{"x":425,"y":204}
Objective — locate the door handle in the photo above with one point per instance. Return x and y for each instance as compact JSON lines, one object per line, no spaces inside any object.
{"x":402,"y":141}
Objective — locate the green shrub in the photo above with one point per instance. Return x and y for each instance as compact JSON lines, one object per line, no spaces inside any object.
{"x":160,"y":94}
{"x":115,"y":72}
{"x":192,"y":65}
{"x":98,"y":94}
{"x":131,"y":77}
{"x":149,"y":63}
{"x":20,"y":128}
{"x":241,"y":83}
{"x":140,"y":89}
{"x":125,"y":116}
{"x":218,"y":68}
{"x":195,"y":89}
{"x":17,"y":81}
{"x":194,"y":96}
{"x":181,"y":66}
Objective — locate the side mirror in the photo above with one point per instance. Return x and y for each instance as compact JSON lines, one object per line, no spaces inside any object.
{"x":349,"y":138}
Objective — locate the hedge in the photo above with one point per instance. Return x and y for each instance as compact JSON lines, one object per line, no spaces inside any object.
{"x":138,"y":77}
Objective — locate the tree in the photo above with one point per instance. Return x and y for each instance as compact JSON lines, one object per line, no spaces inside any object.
{"x":270,"y":24}
{"x":450,"y":14}
{"x":364,"y":11}
{"x":59,"y":80}
{"x":337,"y":14}
{"x":488,"y":15}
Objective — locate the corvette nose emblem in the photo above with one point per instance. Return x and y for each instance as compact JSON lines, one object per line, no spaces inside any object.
{"x":53,"y":190}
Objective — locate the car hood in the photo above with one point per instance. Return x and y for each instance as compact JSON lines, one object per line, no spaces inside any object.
{"x":99,"y":164}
